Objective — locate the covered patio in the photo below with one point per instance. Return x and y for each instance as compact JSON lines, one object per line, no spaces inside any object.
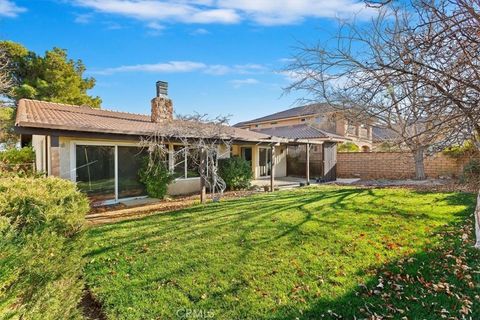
{"x":270,"y":167}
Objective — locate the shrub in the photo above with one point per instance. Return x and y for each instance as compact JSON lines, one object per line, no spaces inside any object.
{"x":155,"y":177}
{"x":348,"y":147}
{"x":17,"y":160}
{"x":236,"y":172}
{"x":471,"y":171}
{"x":467,"y":148}
{"x":41,"y":248}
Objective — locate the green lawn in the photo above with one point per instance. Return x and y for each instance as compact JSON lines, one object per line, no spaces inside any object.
{"x":293,"y":254}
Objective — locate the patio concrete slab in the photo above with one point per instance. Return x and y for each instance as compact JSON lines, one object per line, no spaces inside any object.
{"x":282,"y":182}
{"x":139,"y":202}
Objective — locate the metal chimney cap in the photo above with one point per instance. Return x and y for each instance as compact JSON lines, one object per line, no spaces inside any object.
{"x":162,"y":88}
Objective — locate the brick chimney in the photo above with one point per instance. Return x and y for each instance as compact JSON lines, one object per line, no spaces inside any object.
{"x":162,"y":105}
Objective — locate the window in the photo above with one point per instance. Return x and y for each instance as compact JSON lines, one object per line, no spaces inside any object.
{"x":246,"y":154}
{"x":256,"y":126}
{"x":275,"y":122}
{"x":303,"y":119}
{"x":186,"y":162}
{"x":95,"y":169}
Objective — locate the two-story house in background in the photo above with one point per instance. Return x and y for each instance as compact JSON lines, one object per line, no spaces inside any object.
{"x":314,"y":121}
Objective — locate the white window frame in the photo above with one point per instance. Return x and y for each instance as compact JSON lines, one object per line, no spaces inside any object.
{"x":185,"y":163}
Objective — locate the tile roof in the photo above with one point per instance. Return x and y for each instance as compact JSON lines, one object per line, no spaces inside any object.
{"x":310,"y":109}
{"x":383,"y":134}
{"x":51,"y":115}
{"x":300,"y":131}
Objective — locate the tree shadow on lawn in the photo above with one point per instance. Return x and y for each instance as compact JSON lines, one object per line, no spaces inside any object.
{"x":238,"y":218}
{"x":247,"y":213}
{"x":442,"y":281}
{"x":214,"y":216}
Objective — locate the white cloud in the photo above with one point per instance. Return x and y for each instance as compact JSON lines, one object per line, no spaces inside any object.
{"x":199,"y":32}
{"x":237,"y":69}
{"x":263,"y":12}
{"x":168,"y":67}
{"x":155,"y":26}
{"x":9,"y":9}
{"x":185,"y":66}
{"x":281,"y":12}
{"x":187,"y":11}
{"x":83,"y":18}
{"x":237,"y":83}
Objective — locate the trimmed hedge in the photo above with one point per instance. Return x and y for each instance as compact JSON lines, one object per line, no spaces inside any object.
{"x":236,"y":172}
{"x":41,"y":248}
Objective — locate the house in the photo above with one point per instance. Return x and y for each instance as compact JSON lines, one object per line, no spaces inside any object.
{"x":315,"y":121}
{"x":385,"y":139}
{"x":100,"y":149}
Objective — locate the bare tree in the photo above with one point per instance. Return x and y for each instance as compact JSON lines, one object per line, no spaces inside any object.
{"x":442,"y":49}
{"x":348,"y":73}
{"x":436,"y":45}
{"x":203,"y":140}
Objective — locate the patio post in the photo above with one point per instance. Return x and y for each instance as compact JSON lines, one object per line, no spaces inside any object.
{"x":203,"y":163}
{"x":308,"y":163}
{"x":272,"y":167}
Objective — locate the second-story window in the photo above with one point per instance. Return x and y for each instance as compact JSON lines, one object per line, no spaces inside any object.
{"x":275,"y":122}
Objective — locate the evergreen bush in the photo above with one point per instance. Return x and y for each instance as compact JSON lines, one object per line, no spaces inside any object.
{"x":41,"y":248}
{"x":236,"y":172}
{"x":156,"y":177}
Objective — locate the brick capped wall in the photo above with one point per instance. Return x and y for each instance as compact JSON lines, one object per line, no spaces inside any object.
{"x":395,"y":165}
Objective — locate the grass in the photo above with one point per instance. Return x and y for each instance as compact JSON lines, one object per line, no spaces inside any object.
{"x":308,"y":253}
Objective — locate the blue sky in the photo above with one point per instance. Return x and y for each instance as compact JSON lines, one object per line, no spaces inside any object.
{"x":219,"y":56}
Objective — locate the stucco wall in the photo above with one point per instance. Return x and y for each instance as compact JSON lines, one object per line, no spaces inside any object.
{"x":38,"y":144}
{"x":178,"y":187}
{"x":184,"y":186}
{"x":280,"y":159}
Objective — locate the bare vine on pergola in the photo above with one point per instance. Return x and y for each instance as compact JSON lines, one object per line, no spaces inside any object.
{"x":204,"y":140}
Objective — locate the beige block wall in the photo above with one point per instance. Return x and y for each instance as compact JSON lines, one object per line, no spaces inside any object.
{"x":395,"y":165}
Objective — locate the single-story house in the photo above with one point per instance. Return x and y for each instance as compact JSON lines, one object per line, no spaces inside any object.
{"x":100,"y":149}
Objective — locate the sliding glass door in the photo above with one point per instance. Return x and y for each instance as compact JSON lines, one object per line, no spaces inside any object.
{"x":129,"y":163}
{"x":109,"y":173}
{"x":96,"y":171}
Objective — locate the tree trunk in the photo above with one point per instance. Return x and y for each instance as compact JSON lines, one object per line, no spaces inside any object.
{"x":477,"y":222}
{"x":419,"y":164}
{"x":203,"y":177}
